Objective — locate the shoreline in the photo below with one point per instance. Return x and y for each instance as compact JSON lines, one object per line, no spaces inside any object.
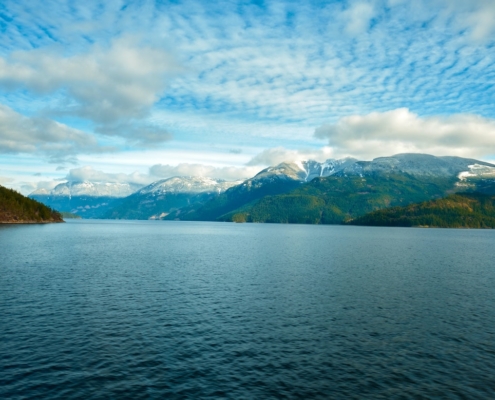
{"x":29,"y":222}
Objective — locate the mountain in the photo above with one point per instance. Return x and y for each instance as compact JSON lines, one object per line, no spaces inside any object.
{"x":335,"y":199}
{"x":160,"y":198}
{"x":346,"y":190}
{"x":271,"y":181}
{"x":16,"y":208}
{"x":462,"y":210}
{"x":87,"y":199}
{"x":419,"y":165}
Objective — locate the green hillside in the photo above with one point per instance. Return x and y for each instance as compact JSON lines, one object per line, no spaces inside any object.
{"x":466,"y":210}
{"x":335,"y":200}
{"x":233,"y":199}
{"x":16,"y":208}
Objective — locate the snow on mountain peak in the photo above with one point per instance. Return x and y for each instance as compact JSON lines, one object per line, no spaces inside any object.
{"x":188,"y":184}
{"x":90,"y":189}
{"x":306,"y":170}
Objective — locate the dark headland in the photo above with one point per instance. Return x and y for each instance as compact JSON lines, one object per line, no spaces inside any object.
{"x":18,"y":209}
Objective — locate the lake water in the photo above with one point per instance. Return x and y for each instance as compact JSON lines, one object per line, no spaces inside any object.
{"x":155,"y":309}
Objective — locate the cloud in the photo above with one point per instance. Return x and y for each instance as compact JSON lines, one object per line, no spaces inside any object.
{"x":136,"y":133}
{"x":475,"y":15}
{"x":184,"y":169}
{"x":400,"y":130}
{"x":271,"y":72}
{"x":277,"y":155}
{"x":87,"y":173}
{"x":358,"y":17}
{"x":29,"y":187}
{"x":38,"y":135}
{"x":4,"y":180}
{"x":113,"y":86}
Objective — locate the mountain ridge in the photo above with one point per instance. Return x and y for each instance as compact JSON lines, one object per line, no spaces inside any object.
{"x":158,"y":199}
{"x":207,"y":199}
{"x":395,"y":180}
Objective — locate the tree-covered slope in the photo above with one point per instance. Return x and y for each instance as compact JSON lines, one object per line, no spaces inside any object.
{"x":466,"y":210}
{"x":334,"y":200}
{"x":234,"y":198}
{"x":16,"y":208}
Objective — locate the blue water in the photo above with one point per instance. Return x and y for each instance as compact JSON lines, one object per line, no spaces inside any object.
{"x":155,"y":309}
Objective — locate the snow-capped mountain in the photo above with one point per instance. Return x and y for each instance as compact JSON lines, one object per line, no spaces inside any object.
{"x":305,"y":171}
{"x":432,"y":176}
{"x":187,"y":184}
{"x":87,"y":199}
{"x":160,"y":198}
{"x":270,"y":181}
{"x":407,"y":163}
{"x":91,"y":189}
{"x":420,"y":165}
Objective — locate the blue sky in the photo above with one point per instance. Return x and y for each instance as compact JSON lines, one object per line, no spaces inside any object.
{"x":138,"y":91}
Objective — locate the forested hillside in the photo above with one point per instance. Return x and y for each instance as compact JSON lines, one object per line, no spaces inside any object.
{"x":334,"y":200}
{"x":16,"y":208}
{"x":466,"y":210}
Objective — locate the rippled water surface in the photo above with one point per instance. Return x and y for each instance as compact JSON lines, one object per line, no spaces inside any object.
{"x":148,"y":310}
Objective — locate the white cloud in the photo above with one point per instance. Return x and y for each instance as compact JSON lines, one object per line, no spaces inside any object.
{"x":29,"y":187}
{"x":358,"y":17}
{"x":4,"y":180}
{"x":277,"y":155}
{"x":37,"y":135}
{"x":184,"y":169}
{"x":257,"y":76}
{"x":87,"y":173}
{"x":475,"y":15}
{"x":137,"y":134}
{"x":400,"y":130}
{"x":114,"y":87}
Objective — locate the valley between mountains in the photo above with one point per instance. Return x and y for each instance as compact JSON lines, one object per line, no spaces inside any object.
{"x":308,"y":192}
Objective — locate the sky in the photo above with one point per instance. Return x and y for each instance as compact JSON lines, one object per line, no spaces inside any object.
{"x":136,"y":91}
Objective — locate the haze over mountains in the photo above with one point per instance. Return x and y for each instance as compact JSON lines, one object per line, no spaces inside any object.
{"x":307,"y":192}
{"x":88,"y":199}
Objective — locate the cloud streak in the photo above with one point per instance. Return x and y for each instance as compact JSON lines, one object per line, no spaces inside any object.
{"x":37,"y":135}
{"x":90,"y":174}
{"x":185,"y":169}
{"x":277,"y":155}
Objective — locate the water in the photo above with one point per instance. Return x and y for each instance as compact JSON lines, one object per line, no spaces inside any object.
{"x":152,"y":309}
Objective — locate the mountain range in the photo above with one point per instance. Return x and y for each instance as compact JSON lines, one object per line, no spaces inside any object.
{"x":157,"y":200}
{"x":87,"y":199}
{"x":333,"y":191}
